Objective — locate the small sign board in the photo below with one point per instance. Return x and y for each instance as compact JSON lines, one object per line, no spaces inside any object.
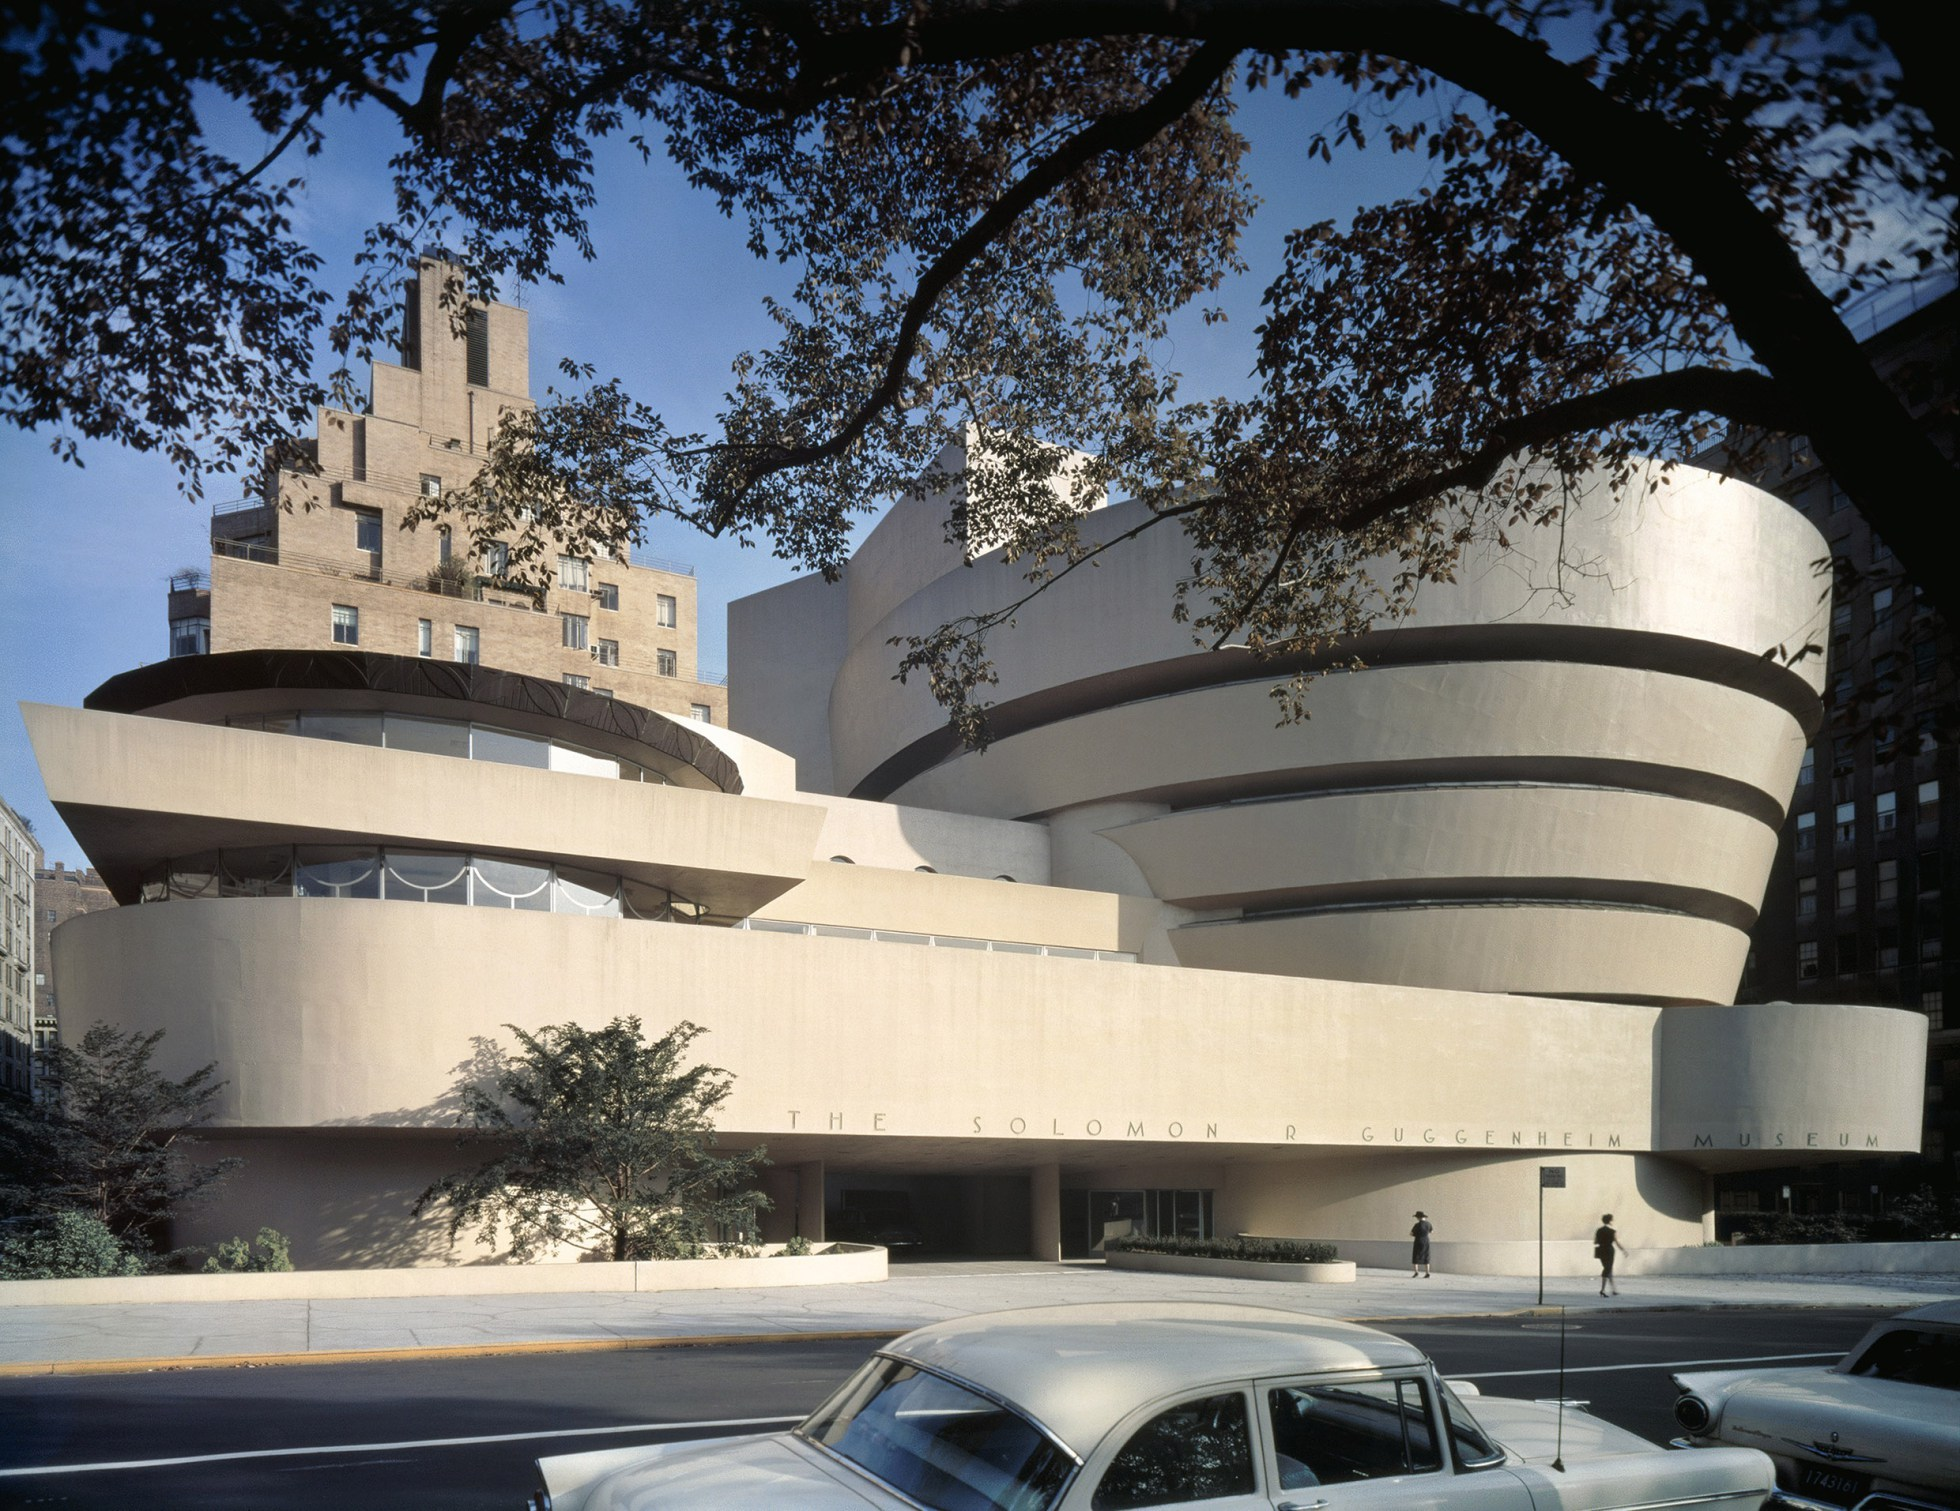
{"x":1551,"y":1176}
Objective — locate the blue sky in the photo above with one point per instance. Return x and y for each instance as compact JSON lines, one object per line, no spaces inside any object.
{"x":672,"y":297}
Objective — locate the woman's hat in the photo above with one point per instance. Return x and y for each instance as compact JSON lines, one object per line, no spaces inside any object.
{"x":1423,"y":1215}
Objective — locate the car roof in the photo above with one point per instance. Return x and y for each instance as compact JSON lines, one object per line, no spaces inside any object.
{"x":1078,"y":1370}
{"x":1939,"y":1311}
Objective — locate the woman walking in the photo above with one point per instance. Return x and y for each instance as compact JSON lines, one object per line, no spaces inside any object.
{"x":1419,"y":1258}
{"x":1605,"y":1241}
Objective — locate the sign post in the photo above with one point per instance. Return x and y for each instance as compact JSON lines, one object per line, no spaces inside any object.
{"x":1549,"y":1177}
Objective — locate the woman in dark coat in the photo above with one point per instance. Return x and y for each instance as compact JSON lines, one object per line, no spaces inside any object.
{"x":1605,"y":1241}
{"x":1420,"y":1257}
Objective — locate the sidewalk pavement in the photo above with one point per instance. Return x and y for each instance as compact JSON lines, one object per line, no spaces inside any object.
{"x":65,"y":1339}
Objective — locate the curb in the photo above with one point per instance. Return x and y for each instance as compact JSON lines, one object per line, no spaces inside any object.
{"x":456,"y":1351}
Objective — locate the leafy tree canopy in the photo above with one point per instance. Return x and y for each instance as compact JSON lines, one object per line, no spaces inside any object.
{"x":604,"y":1143}
{"x":1639,"y":220}
{"x":106,"y":1135}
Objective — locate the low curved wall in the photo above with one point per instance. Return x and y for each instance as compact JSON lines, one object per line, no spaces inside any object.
{"x":1333,"y":1272}
{"x":840,"y":1264}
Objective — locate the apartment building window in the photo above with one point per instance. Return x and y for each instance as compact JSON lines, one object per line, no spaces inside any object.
{"x":1807,"y":773}
{"x":1926,"y":730}
{"x":431,"y":485}
{"x":572,"y":574}
{"x":667,"y":663}
{"x":346,"y":625}
{"x":1806,"y":897}
{"x":476,"y":330}
{"x":1888,"y":947}
{"x":1888,"y":881}
{"x":425,"y":637}
{"x":1885,"y":743}
{"x":1885,"y":811}
{"x":1885,"y":673}
{"x":1844,"y":755}
{"x":1847,"y":890}
{"x":574,"y":628}
{"x":444,"y":543}
{"x":1925,"y":662}
{"x":1840,"y":500}
{"x":701,"y":713}
{"x":1806,"y":834}
{"x":573,"y":679}
{"x":1929,"y":802}
{"x":1847,"y":954}
{"x":1807,"y":960}
{"x":468,"y":643}
{"x":1881,"y":608}
{"x":1843,"y":684}
{"x":1933,"y":1005}
{"x":1847,"y":823}
{"x":666,"y":612}
{"x":609,"y":596}
{"x":606,"y":653}
{"x":1929,"y":945}
{"x":1929,"y":873}
{"x":190,"y":637}
{"x":496,"y":559}
{"x":1840,"y":623}
{"x":367,"y":530}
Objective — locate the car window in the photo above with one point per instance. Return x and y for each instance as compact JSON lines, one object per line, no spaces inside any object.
{"x":1914,"y":1356}
{"x":1194,"y":1452}
{"x":1473,"y":1447}
{"x":1329,"y":1434}
{"x":943,"y":1445}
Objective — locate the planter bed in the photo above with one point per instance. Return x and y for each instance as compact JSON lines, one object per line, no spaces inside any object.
{"x":1333,"y":1272}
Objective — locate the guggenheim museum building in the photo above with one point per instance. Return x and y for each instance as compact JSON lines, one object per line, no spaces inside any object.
{"x":1149,"y":962}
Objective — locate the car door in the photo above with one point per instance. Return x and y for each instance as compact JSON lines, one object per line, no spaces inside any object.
{"x":1200,"y":1451}
{"x":1373,"y":1441}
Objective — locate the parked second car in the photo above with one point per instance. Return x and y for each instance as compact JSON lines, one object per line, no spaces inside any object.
{"x":1880,"y":1429}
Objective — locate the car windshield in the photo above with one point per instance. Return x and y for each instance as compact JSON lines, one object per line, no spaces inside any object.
{"x":943,"y":1445}
{"x":1912,"y":1355}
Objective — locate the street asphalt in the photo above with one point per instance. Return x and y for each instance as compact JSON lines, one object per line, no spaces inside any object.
{"x":441,"y":1433}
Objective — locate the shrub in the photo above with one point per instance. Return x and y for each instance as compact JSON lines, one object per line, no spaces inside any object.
{"x":797,"y":1248}
{"x":1269,"y":1250}
{"x":270,"y":1253}
{"x":66,"y":1246}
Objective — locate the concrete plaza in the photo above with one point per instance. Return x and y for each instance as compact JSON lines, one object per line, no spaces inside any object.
{"x":36,"y":1339}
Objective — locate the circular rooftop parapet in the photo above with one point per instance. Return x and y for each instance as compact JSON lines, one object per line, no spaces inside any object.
{"x":213,"y":688}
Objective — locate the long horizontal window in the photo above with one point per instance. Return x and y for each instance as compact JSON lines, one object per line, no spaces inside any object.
{"x":940,"y":941}
{"x":450,"y":737}
{"x":400,"y":875}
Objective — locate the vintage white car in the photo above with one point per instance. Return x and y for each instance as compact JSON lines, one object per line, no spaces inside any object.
{"x":1106,"y":1407}
{"x":1880,"y":1429}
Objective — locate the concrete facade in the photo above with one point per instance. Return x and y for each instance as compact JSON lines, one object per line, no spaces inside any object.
{"x":1147,"y":962}
{"x":330,"y":542}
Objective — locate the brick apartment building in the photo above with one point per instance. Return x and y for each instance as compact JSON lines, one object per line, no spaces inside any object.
{"x":321,"y":558}
{"x":1862,"y":896}
{"x":20,"y":856}
{"x":59,"y":895}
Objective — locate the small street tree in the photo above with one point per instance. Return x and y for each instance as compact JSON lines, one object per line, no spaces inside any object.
{"x":107,"y":1134}
{"x":605,"y":1144}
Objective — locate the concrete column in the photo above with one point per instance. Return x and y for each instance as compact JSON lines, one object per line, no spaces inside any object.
{"x":809,"y":1200}
{"x":1045,"y":1212}
{"x":1708,"y":1208}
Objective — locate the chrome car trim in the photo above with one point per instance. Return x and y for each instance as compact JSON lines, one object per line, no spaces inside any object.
{"x":1699,"y":1500}
{"x":1789,"y":1500}
{"x":1834,"y":1453}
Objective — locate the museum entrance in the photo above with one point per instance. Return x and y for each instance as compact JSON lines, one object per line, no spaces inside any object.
{"x":978,"y":1216}
{"x":1090,"y":1218}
